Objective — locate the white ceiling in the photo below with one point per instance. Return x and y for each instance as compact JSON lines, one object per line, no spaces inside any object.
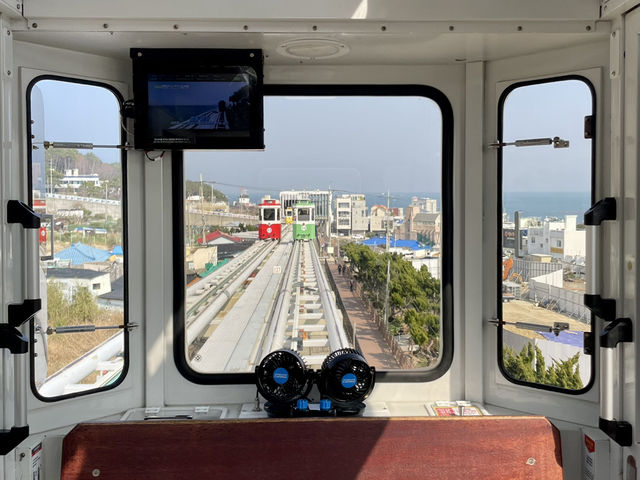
{"x":405,"y":47}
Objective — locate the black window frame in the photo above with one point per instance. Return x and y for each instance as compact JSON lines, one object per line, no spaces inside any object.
{"x":447,"y":294}
{"x":499,"y":313}
{"x":125,"y":244}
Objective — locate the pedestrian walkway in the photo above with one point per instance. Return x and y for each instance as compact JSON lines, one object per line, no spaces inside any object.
{"x":372,"y":343}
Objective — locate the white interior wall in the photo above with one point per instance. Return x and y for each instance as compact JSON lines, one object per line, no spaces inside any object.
{"x":451,"y":81}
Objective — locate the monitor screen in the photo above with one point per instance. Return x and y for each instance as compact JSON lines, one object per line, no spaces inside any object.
{"x":198,"y":99}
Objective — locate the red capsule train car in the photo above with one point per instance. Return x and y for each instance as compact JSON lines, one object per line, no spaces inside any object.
{"x":269,"y":224}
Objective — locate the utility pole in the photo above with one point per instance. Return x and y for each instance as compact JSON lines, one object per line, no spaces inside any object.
{"x":386,"y":292}
{"x":204,"y":235}
{"x":387,"y":223}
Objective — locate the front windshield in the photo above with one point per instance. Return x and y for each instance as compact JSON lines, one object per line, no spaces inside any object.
{"x":362,"y":177}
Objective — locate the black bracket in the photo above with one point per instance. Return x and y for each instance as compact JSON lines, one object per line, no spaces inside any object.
{"x":604,"y":209}
{"x":20,"y":313}
{"x":10,"y":439}
{"x":12,"y":339}
{"x":619,"y":330}
{"x":20,"y":212}
{"x":619,"y":431}
{"x":588,"y":343}
{"x":604,"y":308}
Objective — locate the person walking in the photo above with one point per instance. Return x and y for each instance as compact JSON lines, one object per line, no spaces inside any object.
{"x":351,"y":285}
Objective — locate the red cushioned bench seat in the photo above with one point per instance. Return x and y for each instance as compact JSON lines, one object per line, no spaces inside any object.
{"x":468,"y":448}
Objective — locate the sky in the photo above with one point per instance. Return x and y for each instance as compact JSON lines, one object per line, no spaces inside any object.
{"x":354,"y":144}
{"x":541,"y":111}
{"x":76,"y":112}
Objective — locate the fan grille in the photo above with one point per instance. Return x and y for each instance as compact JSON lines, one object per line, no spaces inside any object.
{"x":282,"y":377}
{"x":346,"y":377}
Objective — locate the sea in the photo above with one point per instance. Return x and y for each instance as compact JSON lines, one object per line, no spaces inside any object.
{"x":531,"y":204}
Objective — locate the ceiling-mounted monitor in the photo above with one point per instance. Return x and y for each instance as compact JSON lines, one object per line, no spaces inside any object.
{"x":197,"y":98}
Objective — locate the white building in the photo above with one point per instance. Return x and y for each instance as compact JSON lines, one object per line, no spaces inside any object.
{"x":379,"y":218}
{"x":351,"y":214}
{"x":244,"y":200}
{"x":72,"y":179}
{"x":561,"y":240}
{"x":343,"y":215}
{"x":426,"y":204}
{"x":359,"y":217}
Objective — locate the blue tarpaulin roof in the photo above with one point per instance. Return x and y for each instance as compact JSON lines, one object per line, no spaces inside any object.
{"x":381,"y":241}
{"x":80,"y":253}
{"x":575,"y":339}
{"x":117,"y":250}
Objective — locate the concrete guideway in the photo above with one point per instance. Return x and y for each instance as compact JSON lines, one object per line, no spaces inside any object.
{"x":203,"y":305}
{"x":286,"y":304}
{"x":233,"y":344}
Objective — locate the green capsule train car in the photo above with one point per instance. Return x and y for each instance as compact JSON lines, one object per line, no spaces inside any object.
{"x":304,"y":221}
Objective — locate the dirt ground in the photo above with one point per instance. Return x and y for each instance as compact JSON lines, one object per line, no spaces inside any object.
{"x":521,"y":311}
{"x":67,"y":347}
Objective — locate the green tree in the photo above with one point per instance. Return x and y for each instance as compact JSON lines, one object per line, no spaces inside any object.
{"x":57,"y":305}
{"x":529,"y":366}
{"x":84,"y":308}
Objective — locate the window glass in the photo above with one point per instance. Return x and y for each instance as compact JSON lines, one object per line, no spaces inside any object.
{"x":78,"y":337}
{"x":545,"y":192}
{"x":371,"y":167}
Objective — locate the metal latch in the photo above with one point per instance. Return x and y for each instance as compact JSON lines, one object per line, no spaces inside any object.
{"x":557,"y":142}
{"x":556,"y":328}
{"x":89,"y":328}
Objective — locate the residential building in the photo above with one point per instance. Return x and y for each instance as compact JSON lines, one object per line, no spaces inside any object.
{"x":379,"y":217}
{"x":359,"y":217}
{"x":219,"y":238}
{"x":113,"y":300}
{"x":70,"y":279}
{"x":343,"y":215}
{"x":428,"y":225}
{"x":198,"y":258}
{"x":351,"y":214}
{"x":425,"y":204}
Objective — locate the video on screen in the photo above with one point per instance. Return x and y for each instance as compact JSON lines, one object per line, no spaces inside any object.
{"x":183,"y":108}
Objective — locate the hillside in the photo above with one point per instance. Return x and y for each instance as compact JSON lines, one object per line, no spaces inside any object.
{"x":66,"y":158}
{"x":193,"y":188}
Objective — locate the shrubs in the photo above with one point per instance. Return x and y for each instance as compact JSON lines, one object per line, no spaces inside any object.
{"x":82,"y":308}
{"x":529,"y":366}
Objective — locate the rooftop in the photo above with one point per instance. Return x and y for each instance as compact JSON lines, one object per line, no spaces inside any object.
{"x":209,"y":237}
{"x":74,"y":273}
{"x":80,"y":253}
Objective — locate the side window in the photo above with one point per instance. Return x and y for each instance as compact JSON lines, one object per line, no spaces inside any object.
{"x":78,"y":336}
{"x":546,"y":188}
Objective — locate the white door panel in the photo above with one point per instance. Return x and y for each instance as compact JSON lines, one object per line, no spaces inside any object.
{"x":43,"y":416}
{"x":587,"y":62}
